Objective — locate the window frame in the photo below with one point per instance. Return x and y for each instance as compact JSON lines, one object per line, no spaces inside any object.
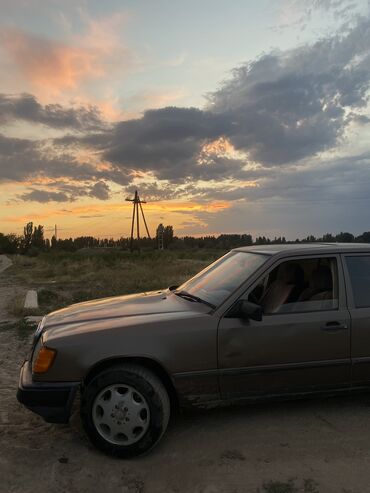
{"x":342,"y":300}
{"x":351,"y":304}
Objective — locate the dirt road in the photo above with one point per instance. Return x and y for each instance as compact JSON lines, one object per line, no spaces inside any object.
{"x":312,"y":446}
{"x":5,"y":262}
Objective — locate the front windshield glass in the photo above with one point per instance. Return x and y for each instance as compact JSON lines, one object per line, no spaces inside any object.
{"x":219,"y":280}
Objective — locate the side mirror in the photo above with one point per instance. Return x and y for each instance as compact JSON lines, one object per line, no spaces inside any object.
{"x":247,"y":310}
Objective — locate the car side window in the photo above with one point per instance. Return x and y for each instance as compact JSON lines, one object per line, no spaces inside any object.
{"x":359,"y":274}
{"x":294,"y":286}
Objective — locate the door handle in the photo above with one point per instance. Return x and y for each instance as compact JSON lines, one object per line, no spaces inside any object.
{"x":333,"y":326}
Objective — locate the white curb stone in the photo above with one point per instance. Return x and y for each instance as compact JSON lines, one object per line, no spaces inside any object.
{"x":31,"y":299}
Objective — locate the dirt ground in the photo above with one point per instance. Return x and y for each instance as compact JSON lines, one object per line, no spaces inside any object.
{"x":308,"y":446}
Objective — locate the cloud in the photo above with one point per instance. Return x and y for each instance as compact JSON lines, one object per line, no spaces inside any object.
{"x":326,"y":195}
{"x":67,"y":192}
{"x":54,"y":68}
{"x":24,"y":160}
{"x":286,"y":106}
{"x":43,"y":196}
{"x":153,"y":192}
{"x":25,"y":107}
{"x":298,"y":13}
{"x":167,"y":142}
{"x":48,"y":64}
{"x":278,"y":110}
{"x":100,"y":191}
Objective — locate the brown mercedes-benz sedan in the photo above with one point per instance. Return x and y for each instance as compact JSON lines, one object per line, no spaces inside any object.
{"x":260,"y":322}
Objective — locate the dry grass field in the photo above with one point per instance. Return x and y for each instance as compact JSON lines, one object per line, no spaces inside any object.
{"x":64,"y":278}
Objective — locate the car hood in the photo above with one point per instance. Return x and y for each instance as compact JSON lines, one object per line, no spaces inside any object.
{"x":158,"y":302}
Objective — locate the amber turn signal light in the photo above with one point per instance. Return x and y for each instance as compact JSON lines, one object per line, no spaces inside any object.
{"x":44,"y":360}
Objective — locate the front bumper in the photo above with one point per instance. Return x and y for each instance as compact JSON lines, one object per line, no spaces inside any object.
{"x":52,"y":401}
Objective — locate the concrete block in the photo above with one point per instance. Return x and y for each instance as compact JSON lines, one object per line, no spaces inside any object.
{"x":31,"y":299}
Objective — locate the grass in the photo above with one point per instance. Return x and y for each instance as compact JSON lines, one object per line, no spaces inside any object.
{"x":63,"y":278}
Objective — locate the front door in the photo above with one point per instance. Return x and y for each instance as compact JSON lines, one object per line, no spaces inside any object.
{"x":302,"y":343}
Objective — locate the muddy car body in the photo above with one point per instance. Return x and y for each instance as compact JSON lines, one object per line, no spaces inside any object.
{"x":261,"y":322}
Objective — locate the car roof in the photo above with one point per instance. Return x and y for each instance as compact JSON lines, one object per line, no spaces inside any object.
{"x":306,"y":248}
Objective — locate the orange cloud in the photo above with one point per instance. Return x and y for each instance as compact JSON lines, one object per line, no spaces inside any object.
{"x":49,"y":65}
{"x":54,"y":68}
{"x":219,"y":147}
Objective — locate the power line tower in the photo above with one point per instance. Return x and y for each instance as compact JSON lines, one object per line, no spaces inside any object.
{"x":135,"y":216}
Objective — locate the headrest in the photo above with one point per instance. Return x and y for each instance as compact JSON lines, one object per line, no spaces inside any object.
{"x":322,"y":279}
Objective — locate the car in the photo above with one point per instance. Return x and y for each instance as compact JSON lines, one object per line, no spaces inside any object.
{"x":275,"y":321}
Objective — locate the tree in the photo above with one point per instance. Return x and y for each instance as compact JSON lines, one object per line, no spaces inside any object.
{"x":38,"y":240}
{"x":159,"y":235}
{"x":344,"y":238}
{"x":27,"y":236}
{"x":167,"y":232}
{"x":328,"y":237}
{"x":365,"y":237}
{"x":9,"y":243}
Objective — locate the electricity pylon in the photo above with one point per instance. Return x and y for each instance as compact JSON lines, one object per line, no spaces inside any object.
{"x":135,"y":216}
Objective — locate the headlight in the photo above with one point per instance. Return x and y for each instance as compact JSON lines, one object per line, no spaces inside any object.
{"x":43,"y":360}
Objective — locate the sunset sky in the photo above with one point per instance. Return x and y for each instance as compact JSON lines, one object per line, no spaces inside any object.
{"x":228,"y":116}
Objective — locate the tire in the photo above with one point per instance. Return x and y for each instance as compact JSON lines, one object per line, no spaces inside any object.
{"x":125,"y":410}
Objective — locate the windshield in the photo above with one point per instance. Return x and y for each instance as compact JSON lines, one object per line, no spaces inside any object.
{"x":219,"y":280}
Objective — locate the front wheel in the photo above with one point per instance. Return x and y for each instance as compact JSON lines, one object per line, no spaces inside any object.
{"x":125,"y":410}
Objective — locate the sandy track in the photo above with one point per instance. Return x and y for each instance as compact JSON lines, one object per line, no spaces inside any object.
{"x":5,"y":262}
{"x":323,"y":445}
{"x":9,"y":290}
{"x":223,"y":450}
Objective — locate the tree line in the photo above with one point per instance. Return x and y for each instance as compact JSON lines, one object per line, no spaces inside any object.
{"x":33,"y":241}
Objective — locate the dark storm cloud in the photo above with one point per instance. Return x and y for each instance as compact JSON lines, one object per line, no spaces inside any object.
{"x":154,"y":191}
{"x":165,"y":141}
{"x":43,"y":196}
{"x":22,"y":159}
{"x":328,"y":196}
{"x":28,"y":160}
{"x":279,"y":109}
{"x":292,"y":105}
{"x":62,"y":192}
{"x":26,"y":107}
{"x":100,"y":191}
{"x":331,"y":181}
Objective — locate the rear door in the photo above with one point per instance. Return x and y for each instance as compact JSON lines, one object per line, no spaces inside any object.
{"x":302,"y":347}
{"x":357,"y":275}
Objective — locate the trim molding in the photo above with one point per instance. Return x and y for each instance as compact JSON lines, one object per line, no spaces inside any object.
{"x":361,"y":360}
{"x":267,"y":368}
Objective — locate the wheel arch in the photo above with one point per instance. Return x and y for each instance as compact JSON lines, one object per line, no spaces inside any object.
{"x":145,"y":362}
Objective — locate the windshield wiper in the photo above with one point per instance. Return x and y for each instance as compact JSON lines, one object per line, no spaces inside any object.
{"x":192,"y":297}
